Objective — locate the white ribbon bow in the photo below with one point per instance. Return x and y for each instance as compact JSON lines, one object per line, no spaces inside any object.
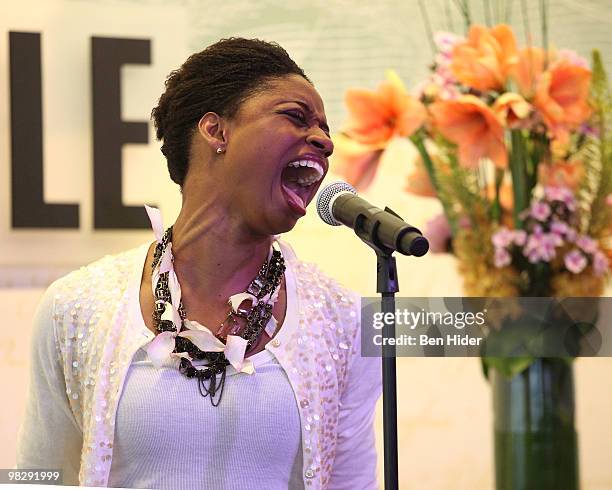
{"x":161,"y":347}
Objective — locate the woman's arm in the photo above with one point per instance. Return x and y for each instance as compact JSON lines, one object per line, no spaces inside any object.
{"x":49,"y":437}
{"x":355,"y":463}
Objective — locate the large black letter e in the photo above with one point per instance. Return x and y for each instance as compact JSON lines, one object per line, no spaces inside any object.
{"x":110,"y":133}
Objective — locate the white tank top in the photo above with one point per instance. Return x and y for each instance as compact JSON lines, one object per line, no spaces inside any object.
{"x":167,"y":436}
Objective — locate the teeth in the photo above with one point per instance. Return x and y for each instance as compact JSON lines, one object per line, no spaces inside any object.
{"x":306,"y":182}
{"x":309,"y":163}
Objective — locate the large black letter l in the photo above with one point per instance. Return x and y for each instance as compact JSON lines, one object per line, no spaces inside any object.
{"x":29,"y":209}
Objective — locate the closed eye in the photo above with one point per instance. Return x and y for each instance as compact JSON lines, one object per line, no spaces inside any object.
{"x":302,"y":119}
{"x":297,"y":115}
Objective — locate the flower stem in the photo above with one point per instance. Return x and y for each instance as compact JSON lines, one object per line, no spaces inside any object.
{"x":544,"y":19}
{"x":520,"y":182}
{"x":428,"y":28}
{"x":464,"y":8}
{"x":496,"y":209}
{"x":419,"y":143}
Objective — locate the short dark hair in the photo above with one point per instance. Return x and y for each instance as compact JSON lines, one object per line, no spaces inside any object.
{"x":218,"y":79}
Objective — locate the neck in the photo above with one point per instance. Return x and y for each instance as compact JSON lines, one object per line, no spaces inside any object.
{"x":214,"y":255}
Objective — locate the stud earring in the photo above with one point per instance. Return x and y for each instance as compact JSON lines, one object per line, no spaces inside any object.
{"x":220,"y":150}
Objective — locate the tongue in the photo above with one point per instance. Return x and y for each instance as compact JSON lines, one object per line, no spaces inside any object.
{"x":296,"y":203}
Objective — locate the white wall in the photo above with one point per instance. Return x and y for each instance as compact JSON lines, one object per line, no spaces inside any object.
{"x":445,"y":433}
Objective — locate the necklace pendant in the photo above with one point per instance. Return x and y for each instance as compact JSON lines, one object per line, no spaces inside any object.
{"x":243,"y":311}
{"x":237,"y":328}
{"x":255,"y":287}
{"x":227,"y":327}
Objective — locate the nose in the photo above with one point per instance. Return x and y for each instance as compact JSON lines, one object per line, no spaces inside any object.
{"x":321,"y":141}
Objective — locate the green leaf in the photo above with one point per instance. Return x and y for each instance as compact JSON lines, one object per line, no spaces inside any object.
{"x":597,"y":154}
{"x":521,"y":186}
{"x":508,"y":366}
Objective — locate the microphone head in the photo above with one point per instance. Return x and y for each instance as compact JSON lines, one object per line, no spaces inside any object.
{"x":419,"y":246}
{"x":326,"y":198}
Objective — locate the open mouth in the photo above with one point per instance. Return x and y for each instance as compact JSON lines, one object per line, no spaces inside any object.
{"x":298,"y":182}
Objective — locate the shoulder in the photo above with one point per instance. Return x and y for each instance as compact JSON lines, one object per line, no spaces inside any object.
{"x":325,"y":289}
{"x":94,"y":285}
{"x":72,"y":301}
{"x":333,"y":314}
{"x":111,"y":272}
{"x":320,"y":290}
{"x":330,"y":311}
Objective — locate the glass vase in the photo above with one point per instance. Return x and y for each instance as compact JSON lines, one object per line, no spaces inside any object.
{"x":535,"y":438}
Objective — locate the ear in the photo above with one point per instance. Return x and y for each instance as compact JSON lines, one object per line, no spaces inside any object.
{"x":211,"y":128}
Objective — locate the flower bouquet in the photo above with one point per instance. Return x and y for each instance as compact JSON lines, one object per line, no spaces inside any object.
{"x":515,"y":143}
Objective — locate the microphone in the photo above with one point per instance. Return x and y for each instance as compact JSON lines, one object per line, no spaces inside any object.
{"x":338,"y":204}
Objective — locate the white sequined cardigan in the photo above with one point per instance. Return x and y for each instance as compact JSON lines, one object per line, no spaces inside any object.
{"x":84,"y":341}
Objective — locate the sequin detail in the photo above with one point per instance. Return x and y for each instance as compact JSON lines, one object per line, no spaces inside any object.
{"x":319,"y":364}
{"x":97,"y":342}
{"x":96,"y":349}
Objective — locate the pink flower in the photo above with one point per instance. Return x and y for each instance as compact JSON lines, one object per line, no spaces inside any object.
{"x":587,"y":244}
{"x":541,"y":246}
{"x":438,"y":232}
{"x":559,"y":228}
{"x":540,"y":211}
{"x":502,"y":258}
{"x":445,"y":42}
{"x":502,"y":238}
{"x":600,"y":263}
{"x":588,"y":130}
{"x":575,"y":261}
{"x":520,"y":237}
{"x":441,"y":83}
{"x":573,"y":57}
{"x":562,"y":194}
{"x":571,"y":235}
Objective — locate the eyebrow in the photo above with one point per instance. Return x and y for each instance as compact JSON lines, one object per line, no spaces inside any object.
{"x":322,"y":124}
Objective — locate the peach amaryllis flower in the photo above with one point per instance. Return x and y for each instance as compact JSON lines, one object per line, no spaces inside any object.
{"x":473,"y":127}
{"x":506,"y":198}
{"x":528,"y":69}
{"x":512,"y":109}
{"x":356,"y":162}
{"x":484,"y":60}
{"x":377,"y":116}
{"x":562,"y":173}
{"x":562,"y":97}
{"x":418,"y":182}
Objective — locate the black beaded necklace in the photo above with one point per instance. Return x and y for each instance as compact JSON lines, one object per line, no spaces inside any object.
{"x":256,"y":317}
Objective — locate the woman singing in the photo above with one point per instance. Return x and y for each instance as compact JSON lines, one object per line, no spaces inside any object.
{"x":212,"y":358}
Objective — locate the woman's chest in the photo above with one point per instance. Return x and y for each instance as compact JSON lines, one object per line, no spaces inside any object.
{"x":161,"y":410}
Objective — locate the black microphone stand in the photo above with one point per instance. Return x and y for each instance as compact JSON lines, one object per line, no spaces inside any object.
{"x":387,"y":285}
{"x":366,"y":226}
